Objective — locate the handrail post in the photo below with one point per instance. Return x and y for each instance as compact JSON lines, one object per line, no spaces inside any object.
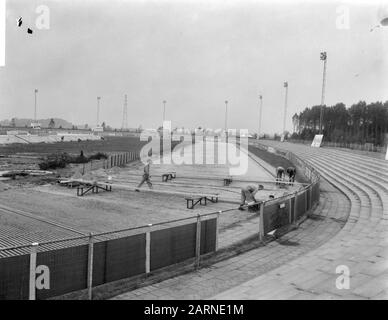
{"x":90,"y":267}
{"x":261,"y":222}
{"x":217,"y":227}
{"x":33,"y":256}
{"x":198,"y":242}
{"x":148,"y":250}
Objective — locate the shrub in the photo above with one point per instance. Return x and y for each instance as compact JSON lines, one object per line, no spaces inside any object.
{"x":98,"y":156}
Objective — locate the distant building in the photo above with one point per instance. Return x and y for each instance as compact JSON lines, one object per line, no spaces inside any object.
{"x":36,"y":125}
{"x":98,"y":129}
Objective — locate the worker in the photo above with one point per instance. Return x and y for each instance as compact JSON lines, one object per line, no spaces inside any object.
{"x":146,"y":176}
{"x":291,"y":171}
{"x":279,"y":174}
{"x":248,"y":195}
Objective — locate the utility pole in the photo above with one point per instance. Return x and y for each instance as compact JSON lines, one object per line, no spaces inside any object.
{"x":124,"y":124}
{"x":164,"y":110}
{"x":98,"y":110}
{"x":285,"y":107}
{"x":36,"y":91}
{"x":226,"y":121}
{"x":324,"y":58}
{"x":260,"y":113}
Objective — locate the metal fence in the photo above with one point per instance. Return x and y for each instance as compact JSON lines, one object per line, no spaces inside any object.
{"x":284,"y":211}
{"x":53,"y":268}
{"x":37,"y":271}
{"x":369,"y":147}
{"x":113,"y":160}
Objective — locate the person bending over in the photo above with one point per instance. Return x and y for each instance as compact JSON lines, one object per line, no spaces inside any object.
{"x":248,"y":195}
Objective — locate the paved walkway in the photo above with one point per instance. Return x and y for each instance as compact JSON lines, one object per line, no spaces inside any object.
{"x":361,"y":246}
{"x":328,"y":219}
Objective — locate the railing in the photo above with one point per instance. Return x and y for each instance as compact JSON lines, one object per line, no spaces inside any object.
{"x":279,"y":213}
{"x":369,"y":147}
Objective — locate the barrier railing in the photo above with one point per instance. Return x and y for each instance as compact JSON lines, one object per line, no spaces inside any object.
{"x":53,"y":268}
{"x":369,"y":147}
{"x":279,"y":213}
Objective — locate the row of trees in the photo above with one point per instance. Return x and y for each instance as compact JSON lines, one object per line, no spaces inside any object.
{"x":361,"y":123}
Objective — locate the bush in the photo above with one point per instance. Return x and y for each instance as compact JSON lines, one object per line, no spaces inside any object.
{"x":55,"y":161}
{"x":98,"y":156}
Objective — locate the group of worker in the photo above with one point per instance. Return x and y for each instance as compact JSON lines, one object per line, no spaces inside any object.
{"x":281,"y":174}
{"x":247,"y":194}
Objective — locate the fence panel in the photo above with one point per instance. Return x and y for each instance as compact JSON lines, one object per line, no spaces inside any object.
{"x":275,"y":216}
{"x":300,"y":205}
{"x":14,"y":277}
{"x":316,"y":192}
{"x":68,"y":269}
{"x":173,"y":245}
{"x":118,"y":259}
{"x":208,"y":235}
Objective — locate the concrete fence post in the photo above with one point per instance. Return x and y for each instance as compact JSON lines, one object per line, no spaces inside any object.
{"x":261,"y":222}
{"x":290,"y":210}
{"x":198,"y":242}
{"x":90,"y":267}
{"x":32,"y":285}
{"x":295,"y":206}
{"x":148,"y":250}
{"x":217,"y":227}
{"x":305,"y":201}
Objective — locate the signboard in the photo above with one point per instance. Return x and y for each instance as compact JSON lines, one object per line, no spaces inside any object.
{"x":317,"y":141}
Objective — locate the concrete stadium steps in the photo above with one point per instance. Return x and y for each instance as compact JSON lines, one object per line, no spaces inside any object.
{"x":362,"y":245}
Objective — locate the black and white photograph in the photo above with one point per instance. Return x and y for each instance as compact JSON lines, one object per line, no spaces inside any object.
{"x":204,"y":152}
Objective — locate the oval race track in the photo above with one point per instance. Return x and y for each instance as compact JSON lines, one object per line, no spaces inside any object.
{"x":360,"y":248}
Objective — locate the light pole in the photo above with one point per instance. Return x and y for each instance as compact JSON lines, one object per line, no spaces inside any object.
{"x":260,"y":113}
{"x":36,"y":91}
{"x":324,"y":58}
{"x":98,"y":110}
{"x":164,"y":110}
{"x":285,"y":107}
{"x":226,"y":117}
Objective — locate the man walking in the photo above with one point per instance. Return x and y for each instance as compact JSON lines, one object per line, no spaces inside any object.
{"x":248,"y":195}
{"x":146,"y":176}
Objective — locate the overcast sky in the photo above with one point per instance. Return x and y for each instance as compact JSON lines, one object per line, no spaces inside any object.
{"x":193,"y":54}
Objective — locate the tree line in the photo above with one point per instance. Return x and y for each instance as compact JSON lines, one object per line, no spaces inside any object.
{"x":361,"y":123}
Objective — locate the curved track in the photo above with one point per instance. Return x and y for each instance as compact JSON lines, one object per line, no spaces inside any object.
{"x":360,"y":248}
